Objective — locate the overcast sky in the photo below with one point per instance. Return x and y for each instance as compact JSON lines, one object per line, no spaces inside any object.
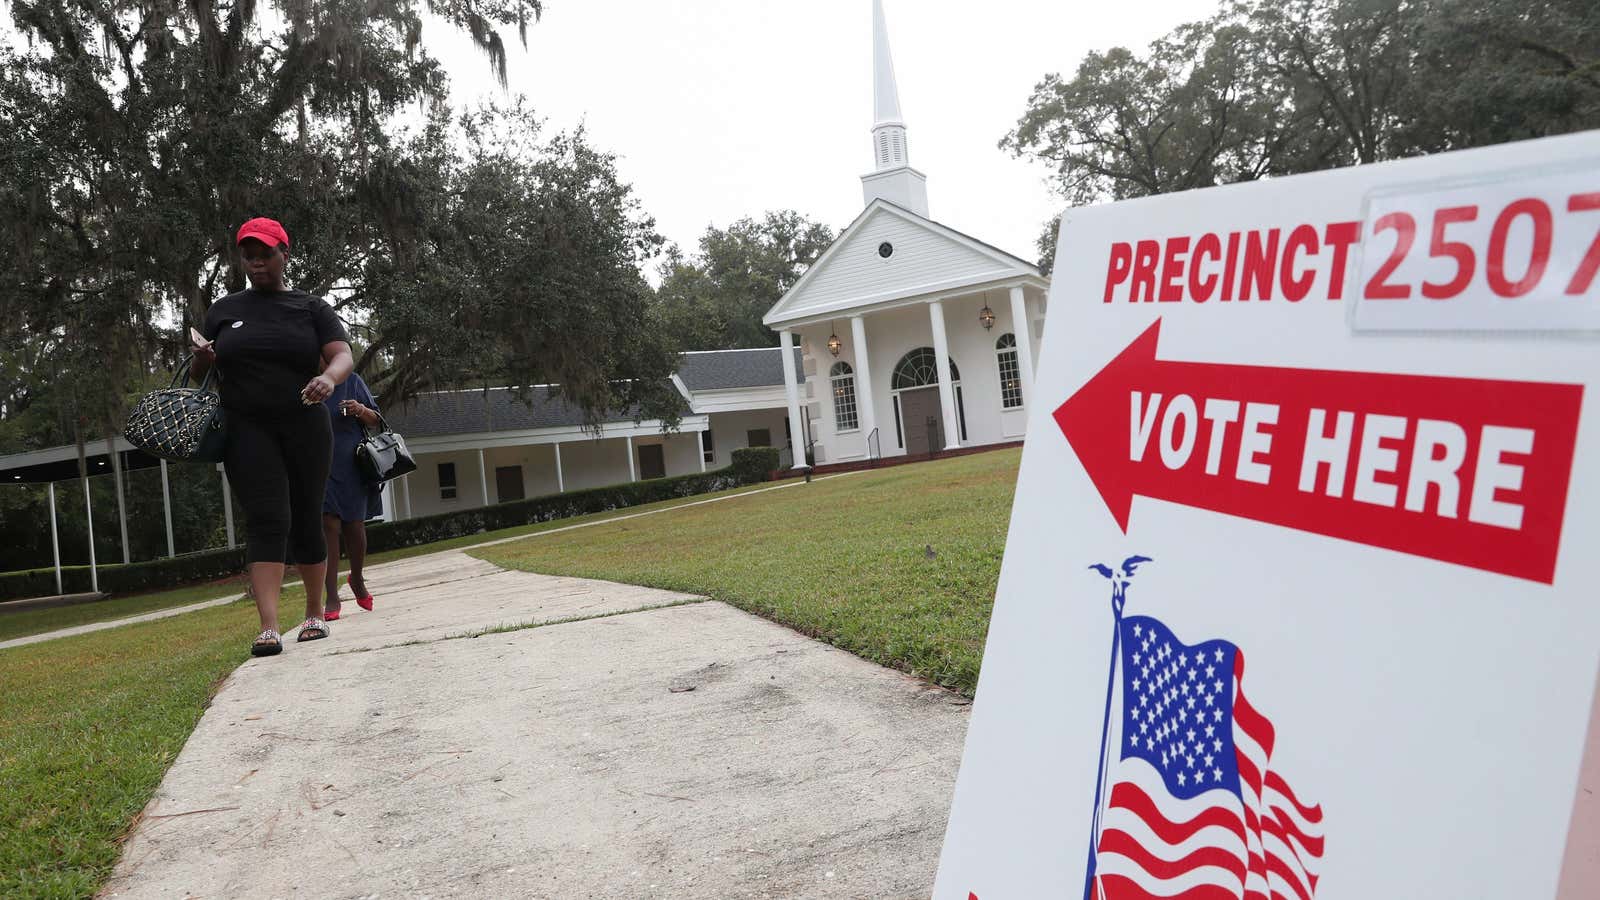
{"x":719,"y":109}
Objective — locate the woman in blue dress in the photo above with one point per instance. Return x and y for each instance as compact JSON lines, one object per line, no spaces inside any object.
{"x":349,"y":499}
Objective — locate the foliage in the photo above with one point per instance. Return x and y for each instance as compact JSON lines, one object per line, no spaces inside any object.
{"x":753,"y":464}
{"x":1274,"y":88}
{"x":443,"y":526}
{"x":857,"y":575}
{"x":715,"y":300}
{"x":122,"y":579}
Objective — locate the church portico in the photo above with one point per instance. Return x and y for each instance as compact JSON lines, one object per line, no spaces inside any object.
{"x":875,"y":396}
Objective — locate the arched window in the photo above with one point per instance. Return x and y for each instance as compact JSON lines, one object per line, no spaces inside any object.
{"x":843,"y":379}
{"x":917,"y":368}
{"x":1010,"y":373}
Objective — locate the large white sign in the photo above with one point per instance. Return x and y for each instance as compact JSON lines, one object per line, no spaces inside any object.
{"x":1301,"y":596}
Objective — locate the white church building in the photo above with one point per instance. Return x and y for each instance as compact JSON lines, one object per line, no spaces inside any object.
{"x":906,"y":338}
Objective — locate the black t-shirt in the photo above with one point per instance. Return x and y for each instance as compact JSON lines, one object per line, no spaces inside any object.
{"x":269,"y":344}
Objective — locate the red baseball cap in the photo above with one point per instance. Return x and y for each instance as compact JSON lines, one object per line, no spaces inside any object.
{"x":267,"y":231}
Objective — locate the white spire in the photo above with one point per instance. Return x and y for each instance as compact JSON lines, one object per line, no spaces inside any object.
{"x":886,"y":95}
{"x":892,"y":177}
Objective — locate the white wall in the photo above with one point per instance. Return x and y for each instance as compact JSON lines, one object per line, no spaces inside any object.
{"x":424,"y":483}
{"x":681,"y":452}
{"x":729,"y":431}
{"x":892,"y":334}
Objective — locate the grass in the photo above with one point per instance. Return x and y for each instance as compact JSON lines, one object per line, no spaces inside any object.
{"x":845,"y":560}
{"x":88,"y":727}
{"x":39,"y":621}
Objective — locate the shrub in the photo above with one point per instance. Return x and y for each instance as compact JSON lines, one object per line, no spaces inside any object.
{"x":754,"y":464}
{"x":749,"y":466}
{"x":117,"y":578}
{"x":443,"y":526}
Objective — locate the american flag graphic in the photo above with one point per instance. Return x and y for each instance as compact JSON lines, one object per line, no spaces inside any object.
{"x":1193,"y":808}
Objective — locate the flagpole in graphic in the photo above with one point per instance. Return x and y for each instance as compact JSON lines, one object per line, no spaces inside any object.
{"x":1119,"y":597}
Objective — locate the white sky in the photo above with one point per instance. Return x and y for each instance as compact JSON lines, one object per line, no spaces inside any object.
{"x":719,"y":109}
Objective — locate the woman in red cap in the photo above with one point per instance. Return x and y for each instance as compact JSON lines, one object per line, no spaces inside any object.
{"x":281,"y":352}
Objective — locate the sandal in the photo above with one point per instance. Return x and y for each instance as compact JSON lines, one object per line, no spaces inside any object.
{"x":267,"y":643}
{"x":363,"y":602}
{"x":312,"y":629}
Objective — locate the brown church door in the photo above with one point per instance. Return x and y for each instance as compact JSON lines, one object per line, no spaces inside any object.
{"x":918,"y":409}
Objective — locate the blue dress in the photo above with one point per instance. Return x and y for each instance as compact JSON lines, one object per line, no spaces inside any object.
{"x":348,"y":495}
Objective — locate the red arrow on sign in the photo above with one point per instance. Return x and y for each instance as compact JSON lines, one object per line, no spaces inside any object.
{"x":1463,"y":470}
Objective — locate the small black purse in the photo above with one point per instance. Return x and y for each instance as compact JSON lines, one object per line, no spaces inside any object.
{"x":181,"y":423}
{"x":382,"y":455}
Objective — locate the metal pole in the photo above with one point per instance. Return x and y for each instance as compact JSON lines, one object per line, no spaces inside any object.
{"x":227,"y":506}
{"x":55,"y":540}
{"x":166,"y":507}
{"x":88,"y":521}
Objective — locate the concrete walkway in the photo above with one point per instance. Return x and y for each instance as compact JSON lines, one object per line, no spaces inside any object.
{"x":663,"y":747}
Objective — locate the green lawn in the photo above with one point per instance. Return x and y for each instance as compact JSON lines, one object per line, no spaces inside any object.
{"x":89,"y":724}
{"x":38,"y":621}
{"x":845,"y":559}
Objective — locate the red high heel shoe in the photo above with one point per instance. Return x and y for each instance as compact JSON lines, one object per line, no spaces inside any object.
{"x":363,"y":602}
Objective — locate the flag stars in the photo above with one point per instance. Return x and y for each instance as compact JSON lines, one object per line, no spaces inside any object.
{"x":1138,"y":629}
{"x":1216,"y":774}
{"x":1181,"y":779}
{"x":1217,"y":745}
{"x":1211,"y":671}
{"x":1219,"y":654}
{"x":1217,"y":714}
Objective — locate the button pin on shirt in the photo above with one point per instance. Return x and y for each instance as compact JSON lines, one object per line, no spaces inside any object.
{"x":236,"y":324}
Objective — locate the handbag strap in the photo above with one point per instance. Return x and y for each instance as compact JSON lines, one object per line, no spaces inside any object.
{"x":368,"y":434}
{"x":180,"y":378}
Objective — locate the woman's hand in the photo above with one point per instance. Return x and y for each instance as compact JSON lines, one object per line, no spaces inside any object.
{"x":203,"y":349}
{"x":317,"y":390}
{"x":366,"y":414}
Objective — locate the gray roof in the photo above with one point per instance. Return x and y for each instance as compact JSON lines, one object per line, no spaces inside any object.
{"x":717,"y":370}
{"x":497,"y":409}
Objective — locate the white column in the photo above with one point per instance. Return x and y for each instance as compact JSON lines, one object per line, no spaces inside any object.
{"x":1024,"y":333}
{"x":947,"y":391}
{"x":122,"y":504}
{"x":633,"y":470}
{"x":88,"y":522}
{"x":700,"y":449}
{"x":405,"y":494}
{"x":869,"y":414}
{"x":55,"y":540}
{"x":483,"y":476}
{"x":791,"y":388}
{"x":390,"y":514}
{"x":227,"y":507}
{"x":561,"y":483}
{"x":166,"y":509}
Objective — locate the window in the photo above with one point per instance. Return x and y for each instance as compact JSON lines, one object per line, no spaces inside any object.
{"x":706,"y":449}
{"x":844,"y":397}
{"x":1010,"y":373}
{"x":447,"y":481}
{"x":918,"y":368}
{"x":758,"y":437}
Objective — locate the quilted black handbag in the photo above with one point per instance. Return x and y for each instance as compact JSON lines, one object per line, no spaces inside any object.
{"x":382,"y":454}
{"x":180,"y":423}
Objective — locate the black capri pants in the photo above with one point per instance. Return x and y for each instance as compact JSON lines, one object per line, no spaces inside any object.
{"x":278,"y":467}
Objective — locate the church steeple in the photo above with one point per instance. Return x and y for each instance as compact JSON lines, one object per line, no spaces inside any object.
{"x":892,"y":177}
